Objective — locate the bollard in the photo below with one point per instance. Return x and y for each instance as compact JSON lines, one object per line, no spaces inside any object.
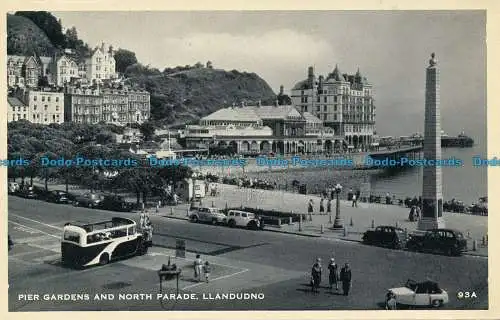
{"x":345,"y":232}
{"x":171,"y":211}
{"x":300,"y":222}
{"x":187,"y":212}
{"x":351,"y":223}
{"x":290,"y":222}
{"x":322,"y":229}
{"x":474,"y":245}
{"x":373,"y":223}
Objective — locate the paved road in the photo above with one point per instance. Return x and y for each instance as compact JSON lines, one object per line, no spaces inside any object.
{"x":273,"y":264}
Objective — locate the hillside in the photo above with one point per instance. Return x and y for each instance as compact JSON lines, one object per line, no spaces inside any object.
{"x":191,"y":94}
{"x":24,"y":37}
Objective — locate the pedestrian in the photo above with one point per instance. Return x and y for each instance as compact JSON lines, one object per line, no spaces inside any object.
{"x":329,"y":205}
{"x":333,"y":274}
{"x":354,"y":201}
{"x":197,"y":268}
{"x":321,"y":206}
{"x":142,"y":219}
{"x":310,"y":208}
{"x":332,"y":193}
{"x":345,"y":277}
{"x":206,"y":271}
{"x":316,"y":275}
{"x":418,"y":212}
{"x":413,"y":211}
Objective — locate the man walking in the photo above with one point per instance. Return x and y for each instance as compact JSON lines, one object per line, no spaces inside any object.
{"x":354,"y":201}
{"x":333,"y":274}
{"x":198,"y":268}
{"x":345,"y":277}
{"x":329,"y":206}
{"x":310,"y":206}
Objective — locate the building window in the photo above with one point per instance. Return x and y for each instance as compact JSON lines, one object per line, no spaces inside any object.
{"x":318,"y":108}
{"x":48,"y":99}
{"x":324,"y":108}
{"x":34,"y":98}
{"x":24,"y":109}
{"x":325,"y":99}
{"x":38,"y":116}
{"x":34,"y":117}
{"x":335,"y":117}
{"x":335,"y":108}
{"x":46,"y":107}
{"x":45,"y":119}
{"x":57,"y":108}
{"x":13,"y":117}
{"x":43,"y":98}
{"x":24,"y":116}
{"x":54,"y":118}
{"x":14,"y":109}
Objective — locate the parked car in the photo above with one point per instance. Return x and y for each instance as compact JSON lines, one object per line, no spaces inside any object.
{"x":28,"y":192}
{"x":13,"y":187}
{"x":386,"y":236}
{"x":420,"y":294}
{"x":115,"y":203}
{"x":208,"y":214}
{"x":447,"y":241}
{"x":58,"y":196}
{"x":236,"y":218}
{"x":90,"y":200}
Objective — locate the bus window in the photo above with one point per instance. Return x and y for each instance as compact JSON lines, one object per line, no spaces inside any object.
{"x":72,"y":237}
{"x":131,"y":231}
{"x":119,"y":233}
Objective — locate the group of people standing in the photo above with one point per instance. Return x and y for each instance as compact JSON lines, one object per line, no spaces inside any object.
{"x":201,"y":268}
{"x":310,"y":206}
{"x":334,"y":276}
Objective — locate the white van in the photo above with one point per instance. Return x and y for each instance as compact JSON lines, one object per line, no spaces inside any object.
{"x":236,"y":218}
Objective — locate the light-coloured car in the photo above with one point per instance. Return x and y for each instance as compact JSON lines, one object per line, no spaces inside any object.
{"x":13,"y":187}
{"x":236,"y":218}
{"x":208,"y":214}
{"x":420,"y":294}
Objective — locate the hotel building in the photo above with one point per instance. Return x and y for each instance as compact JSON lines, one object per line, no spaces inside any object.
{"x":43,"y":107}
{"x":343,"y":102}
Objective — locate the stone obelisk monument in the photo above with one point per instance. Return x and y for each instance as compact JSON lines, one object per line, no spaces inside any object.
{"x":432,"y":195}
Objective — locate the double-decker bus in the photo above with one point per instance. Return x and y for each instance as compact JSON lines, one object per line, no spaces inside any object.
{"x":84,"y":245}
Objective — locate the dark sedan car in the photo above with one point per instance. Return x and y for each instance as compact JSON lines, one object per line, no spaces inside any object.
{"x":90,"y":200}
{"x":386,"y":236}
{"x":447,"y":241}
{"x":115,"y":203}
{"x":59,"y":196}
{"x":28,"y":193}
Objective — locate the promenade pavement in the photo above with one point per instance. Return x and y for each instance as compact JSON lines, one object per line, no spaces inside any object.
{"x":474,"y":227}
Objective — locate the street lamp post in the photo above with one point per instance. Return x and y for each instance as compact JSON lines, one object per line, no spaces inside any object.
{"x":338,"y":224}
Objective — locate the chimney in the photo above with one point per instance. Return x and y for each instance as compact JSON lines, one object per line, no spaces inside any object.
{"x":321,"y":82}
{"x":281,"y":90}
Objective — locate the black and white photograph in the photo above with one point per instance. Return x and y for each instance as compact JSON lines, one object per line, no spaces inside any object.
{"x":282,"y":160}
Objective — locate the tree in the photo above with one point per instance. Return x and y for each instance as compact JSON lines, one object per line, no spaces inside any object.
{"x":124,"y":58}
{"x":72,"y":38}
{"x":147,"y":130}
{"x":48,"y":23}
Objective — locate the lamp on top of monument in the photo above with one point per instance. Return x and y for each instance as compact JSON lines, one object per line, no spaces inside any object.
{"x":433,"y":61}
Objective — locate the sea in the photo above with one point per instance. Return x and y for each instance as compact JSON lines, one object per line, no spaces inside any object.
{"x":467,"y":183}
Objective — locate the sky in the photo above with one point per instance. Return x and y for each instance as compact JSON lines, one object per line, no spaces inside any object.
{"x":391,"y":49}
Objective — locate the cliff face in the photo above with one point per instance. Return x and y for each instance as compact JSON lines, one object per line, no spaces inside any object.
{"x":24,"y":37}
{"x":191,"y":94}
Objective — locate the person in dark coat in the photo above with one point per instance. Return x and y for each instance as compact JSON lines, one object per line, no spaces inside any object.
{"x":321,"y":206}
{"x":316,"y":271}
{"x":346,"y":277}
{"x":333,"y":274}
{"x":310,"y":206}
{"x":329,"y":206}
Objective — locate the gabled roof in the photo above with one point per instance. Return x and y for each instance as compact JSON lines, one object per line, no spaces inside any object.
{"x":276,"y":112}
{"x":311,"y":118}
{"x":243,"y":114}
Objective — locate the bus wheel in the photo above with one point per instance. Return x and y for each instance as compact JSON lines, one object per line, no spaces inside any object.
{"x":104,"y":259}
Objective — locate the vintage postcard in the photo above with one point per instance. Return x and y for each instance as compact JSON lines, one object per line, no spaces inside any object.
{"x":284,"y":160}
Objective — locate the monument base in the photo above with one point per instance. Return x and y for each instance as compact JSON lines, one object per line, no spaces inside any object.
{"x":431,"y":223}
